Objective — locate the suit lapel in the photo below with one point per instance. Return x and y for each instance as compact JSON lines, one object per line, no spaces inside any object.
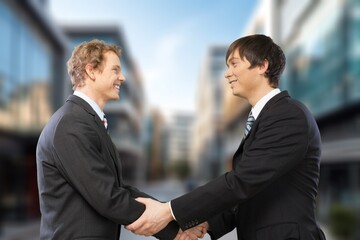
{"x":238,"y":153}
{"x":110,"y":147}
{"x":271,"y":102}
{"x":102,"y":132}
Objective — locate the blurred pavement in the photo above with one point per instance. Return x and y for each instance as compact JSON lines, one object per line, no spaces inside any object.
{"x":163,"y":191}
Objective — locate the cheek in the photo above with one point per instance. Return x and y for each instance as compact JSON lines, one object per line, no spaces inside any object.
{"x":237,"y":72}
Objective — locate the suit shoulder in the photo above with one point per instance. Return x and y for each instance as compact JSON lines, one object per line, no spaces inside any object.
{"x":288,"y":108}
{"x":66,"y":116}
{"x":288,"y":104}
{"x":301,"y":111}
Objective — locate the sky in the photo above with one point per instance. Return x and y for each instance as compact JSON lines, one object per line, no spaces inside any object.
{"x":167,"y":39}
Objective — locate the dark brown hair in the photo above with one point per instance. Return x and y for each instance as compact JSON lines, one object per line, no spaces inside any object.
{"x":258,"y":48}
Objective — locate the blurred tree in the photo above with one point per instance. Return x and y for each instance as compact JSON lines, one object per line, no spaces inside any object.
{"x":181,"y":169}
{"x":343,"y":221}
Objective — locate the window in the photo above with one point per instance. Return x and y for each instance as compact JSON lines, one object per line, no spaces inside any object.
{"x":25,"y":74}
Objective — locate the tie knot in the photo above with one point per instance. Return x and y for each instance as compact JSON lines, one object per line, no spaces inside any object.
{"x":249,"y":122}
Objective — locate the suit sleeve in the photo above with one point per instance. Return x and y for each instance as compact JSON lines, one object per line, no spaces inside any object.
{"x":222,"y":224}
{"x":275,"y":147}
{"x":170,"y":231}
{"x":77,"y":148}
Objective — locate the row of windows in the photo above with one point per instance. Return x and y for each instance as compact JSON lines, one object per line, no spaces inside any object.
{"x":325,"y":76}
{"x":25,"y":72}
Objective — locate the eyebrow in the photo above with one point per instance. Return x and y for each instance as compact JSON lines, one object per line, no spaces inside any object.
{"x":117,"y":67}
{"x":231,"y":59}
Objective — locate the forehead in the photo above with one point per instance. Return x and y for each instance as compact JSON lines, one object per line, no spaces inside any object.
{"x":233,"y":55}
{"x":111,"y":58}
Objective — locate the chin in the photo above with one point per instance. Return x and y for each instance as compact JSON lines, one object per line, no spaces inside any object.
{"x":237,"y":94}
{"x":115,"y":98}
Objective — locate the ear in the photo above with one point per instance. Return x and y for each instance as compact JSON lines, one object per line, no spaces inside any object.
{"x":90,"y":71}
{"x":264,"y":66}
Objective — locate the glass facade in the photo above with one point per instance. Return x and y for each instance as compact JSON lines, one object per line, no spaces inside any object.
{"x":354,"y":50}
{"x":25,"y":73}
{"x":323,"y":69}
{"x":31,"y":66}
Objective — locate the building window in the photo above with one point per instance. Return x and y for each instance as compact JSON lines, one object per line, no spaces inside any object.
{"x":25,"y":74}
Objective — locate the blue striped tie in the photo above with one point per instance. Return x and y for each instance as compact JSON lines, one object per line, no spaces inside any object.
{"x":250,"y":121}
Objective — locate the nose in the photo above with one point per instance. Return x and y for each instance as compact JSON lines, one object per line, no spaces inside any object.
{"x":227,"y":73}
{"x":122,"y":77}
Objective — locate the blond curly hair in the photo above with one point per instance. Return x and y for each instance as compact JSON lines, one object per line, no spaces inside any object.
{"x":91,"y":52}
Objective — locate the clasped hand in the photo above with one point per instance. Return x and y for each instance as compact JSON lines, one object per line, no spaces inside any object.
{"x":156,"y":216}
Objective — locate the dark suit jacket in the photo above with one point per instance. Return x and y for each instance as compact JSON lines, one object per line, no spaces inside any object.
{"x":81,"y":191}
{"x":270,"y":193}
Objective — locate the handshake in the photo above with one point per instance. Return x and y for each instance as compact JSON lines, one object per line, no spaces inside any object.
{"x":157,"y":216}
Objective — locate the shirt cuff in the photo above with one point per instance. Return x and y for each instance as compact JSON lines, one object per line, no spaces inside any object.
{"x":172,"y":214}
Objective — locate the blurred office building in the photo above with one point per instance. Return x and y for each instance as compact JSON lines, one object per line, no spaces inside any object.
{"x":321,"y":40}
{"x":323,"y":71}
{"x":125,"y":116}
{"x":32,"y":52}
{"x":34,"y":84}
{"x":207,"y":135}
{"x":179,"y":127}
{"x":155,"y":145}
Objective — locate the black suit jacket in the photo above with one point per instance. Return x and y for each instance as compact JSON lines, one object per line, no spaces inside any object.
{"x":81,"y":190}
{"x":270,"y":193}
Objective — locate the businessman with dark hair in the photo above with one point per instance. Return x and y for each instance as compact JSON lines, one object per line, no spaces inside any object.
{"x":270,"y":192}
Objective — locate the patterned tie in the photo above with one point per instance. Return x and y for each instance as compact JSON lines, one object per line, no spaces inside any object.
{"x":105,"y":122}
{"x":250,"y":121}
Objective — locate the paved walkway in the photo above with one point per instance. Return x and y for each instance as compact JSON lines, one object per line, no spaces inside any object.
{"x":163,"y":191}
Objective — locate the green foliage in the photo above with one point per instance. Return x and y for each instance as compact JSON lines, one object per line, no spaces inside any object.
{"x":181,"y":169}
{"x":343,"y":221}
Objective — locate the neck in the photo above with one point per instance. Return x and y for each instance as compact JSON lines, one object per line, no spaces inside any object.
{"x":259,"y":94}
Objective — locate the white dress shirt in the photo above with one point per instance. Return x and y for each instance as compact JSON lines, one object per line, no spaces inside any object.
{"x":91,"y":102}
{"x":261,"y":103}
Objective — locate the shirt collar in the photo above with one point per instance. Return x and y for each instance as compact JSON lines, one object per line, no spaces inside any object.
{"x":261,"y":103}
{"x":91,"y":102}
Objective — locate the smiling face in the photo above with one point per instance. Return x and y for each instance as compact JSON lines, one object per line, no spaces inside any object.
{"x":246,"y":81}
{"x":242,"y":78}
{"x":107,"y":82}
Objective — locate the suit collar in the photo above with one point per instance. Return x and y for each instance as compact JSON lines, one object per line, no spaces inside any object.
{"x":273,"y":100}
{"x":81,"y":102}
{"x":262,"y":102}
{"x":91,"y":102}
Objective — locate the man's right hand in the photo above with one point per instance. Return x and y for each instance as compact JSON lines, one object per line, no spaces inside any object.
{"x":194,"y":233}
